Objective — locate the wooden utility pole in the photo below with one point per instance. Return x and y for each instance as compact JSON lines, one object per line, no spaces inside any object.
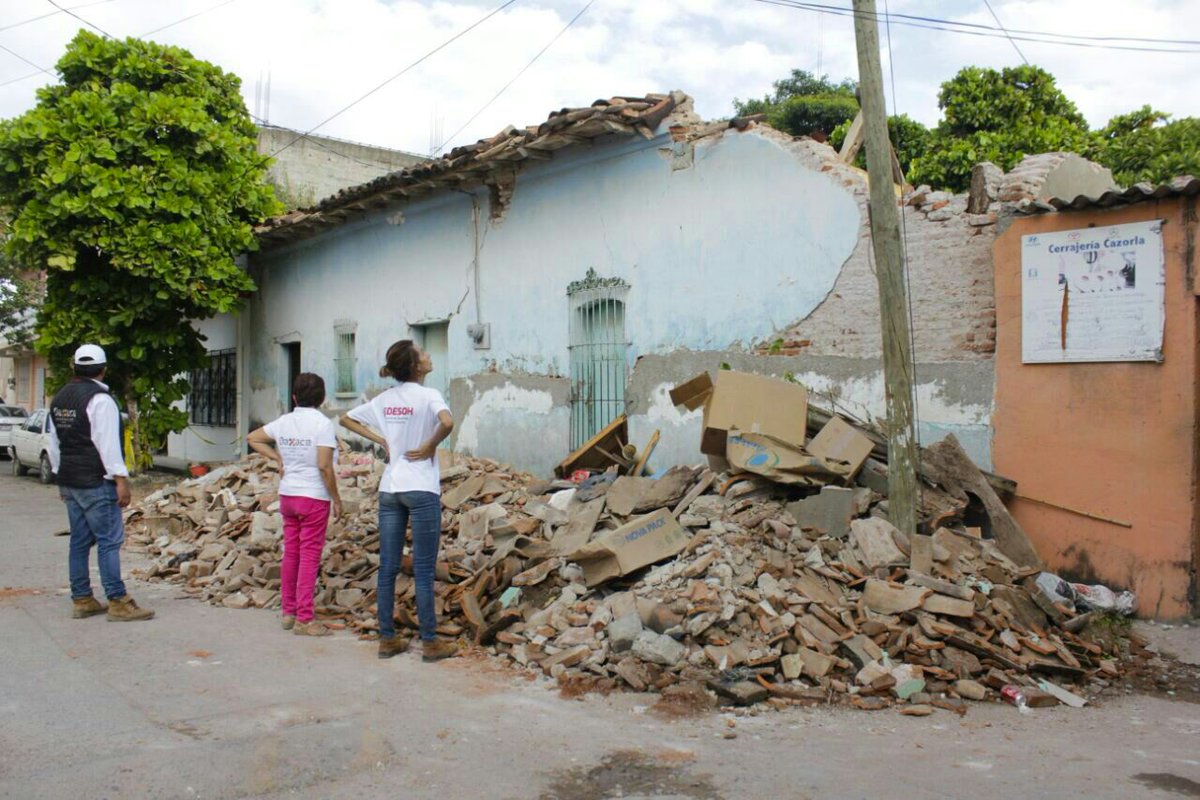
{"x":889,"y":273}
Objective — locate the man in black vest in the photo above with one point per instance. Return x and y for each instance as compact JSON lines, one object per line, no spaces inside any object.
{"x":85,"y":451}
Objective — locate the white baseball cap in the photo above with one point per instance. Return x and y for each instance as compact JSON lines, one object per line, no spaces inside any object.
{"x":90,"y":355}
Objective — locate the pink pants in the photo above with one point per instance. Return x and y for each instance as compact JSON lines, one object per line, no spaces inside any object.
{"x":304,"y":522}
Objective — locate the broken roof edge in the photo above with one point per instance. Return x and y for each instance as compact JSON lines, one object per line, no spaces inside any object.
{"x":1181,"y":186}
{"x":474,"y":164}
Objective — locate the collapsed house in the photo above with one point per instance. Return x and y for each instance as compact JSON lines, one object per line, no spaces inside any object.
{"x":771,"y":573}
{"x":565,"y":273}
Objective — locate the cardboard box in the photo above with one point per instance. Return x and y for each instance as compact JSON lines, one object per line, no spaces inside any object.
{"x":634,"y":545}
{"x":749,"y":403}
{"x":842,"y":445}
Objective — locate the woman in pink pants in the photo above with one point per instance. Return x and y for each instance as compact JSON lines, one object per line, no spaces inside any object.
{"x":304,"y":444}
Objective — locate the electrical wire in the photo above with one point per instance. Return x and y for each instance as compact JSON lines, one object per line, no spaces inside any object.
{"x":504,"y":88}
{"x":81,"y":19}
{"x":85,"y":5}
{"x":1006,"y":33}
{"x":50,"y":14}
{"x":440,"y":47}
{"x":987,"y":31}
{"x":17,"y":55}
{"x":185,"y":19}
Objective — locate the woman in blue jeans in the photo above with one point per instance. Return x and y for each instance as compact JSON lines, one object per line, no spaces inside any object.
{"x":409,"y":419}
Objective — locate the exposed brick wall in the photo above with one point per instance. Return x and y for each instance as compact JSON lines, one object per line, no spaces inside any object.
{"x":950,"y":273}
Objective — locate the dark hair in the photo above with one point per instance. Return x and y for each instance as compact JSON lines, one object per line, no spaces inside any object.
{"x":309,"y":390}
{"x":89,"y":370}
{"x":402,"y":361}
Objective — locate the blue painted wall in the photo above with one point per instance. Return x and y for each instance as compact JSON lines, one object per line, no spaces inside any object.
{"x":722,"y":242}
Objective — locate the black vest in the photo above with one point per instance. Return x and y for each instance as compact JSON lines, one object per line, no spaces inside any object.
{"x":79,"y":463}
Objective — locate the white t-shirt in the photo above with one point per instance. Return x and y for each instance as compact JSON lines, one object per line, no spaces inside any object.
{"x":297,"y":436}
{"x":406,"y":416}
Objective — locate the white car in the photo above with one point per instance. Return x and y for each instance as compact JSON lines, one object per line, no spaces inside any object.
{"x":11,"y":417}
{"x":30,"y":447}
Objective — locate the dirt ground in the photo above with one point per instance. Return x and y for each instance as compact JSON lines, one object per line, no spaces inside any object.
{"x":207,"y":702}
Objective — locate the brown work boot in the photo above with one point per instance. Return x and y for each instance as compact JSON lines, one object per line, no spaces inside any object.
{"x":126,"y":609}
{"x":392,"y":645}
{"x":311,"y":628}
{"x":87,"y":607}
{"x":437,"y":650}
{"x":288,"y":621}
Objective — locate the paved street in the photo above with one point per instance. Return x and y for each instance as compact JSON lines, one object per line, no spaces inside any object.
{"x":206,"y":702}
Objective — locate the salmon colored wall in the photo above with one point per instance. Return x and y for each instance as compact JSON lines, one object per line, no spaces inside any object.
{"x":1115,"y":440}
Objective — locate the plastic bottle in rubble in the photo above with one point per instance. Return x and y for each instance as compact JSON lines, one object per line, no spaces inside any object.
{"x":1013,"y":694}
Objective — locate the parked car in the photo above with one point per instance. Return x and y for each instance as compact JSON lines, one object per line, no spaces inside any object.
{"x":30,"y":447}
{"x":11,"y":417}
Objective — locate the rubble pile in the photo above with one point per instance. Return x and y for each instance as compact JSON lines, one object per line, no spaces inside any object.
{"x":756,"y":587}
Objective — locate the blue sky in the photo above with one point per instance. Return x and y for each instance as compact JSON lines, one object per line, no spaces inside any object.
{"x":322,"y":54}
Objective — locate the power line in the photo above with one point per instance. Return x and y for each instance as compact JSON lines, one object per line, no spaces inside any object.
{"x":85,"y":5}
{"x":81,"y":19}
{"x":15,"y":54}
{"x":185,"y":19}
{"x":1001,"y":24}
{"x":973,"y":29}
{"x":51,"y":14}
{"x":1144,"y":40}
{"x":441,"y":46}
{"x":522,"y":71}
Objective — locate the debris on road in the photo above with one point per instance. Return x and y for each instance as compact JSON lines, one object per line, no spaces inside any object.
{"x":772,"y":574}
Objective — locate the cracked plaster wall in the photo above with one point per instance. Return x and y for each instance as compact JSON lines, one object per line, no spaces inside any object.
{"x":729,"y":241}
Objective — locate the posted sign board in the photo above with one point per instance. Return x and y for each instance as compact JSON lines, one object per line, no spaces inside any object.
{"x":1094,"y":294}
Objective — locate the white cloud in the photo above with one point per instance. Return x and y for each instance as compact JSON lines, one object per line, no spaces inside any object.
{"x":321,"y":54}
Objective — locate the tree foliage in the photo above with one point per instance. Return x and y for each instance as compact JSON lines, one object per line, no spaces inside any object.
{"x":1153,"y":154}
{"x":909,"y":137}
{"x":804,"y":104}
{"x":999,"y":116}
{"x":20,"y":293}
{"x":134,"y":184}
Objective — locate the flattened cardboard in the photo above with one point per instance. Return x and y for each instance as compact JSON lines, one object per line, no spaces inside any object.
{"x":578,"y":530}
{"x":781,"y":462}
{"x":844,"y":447}
{"x":632,"y":546}
{"x":754,"y":404}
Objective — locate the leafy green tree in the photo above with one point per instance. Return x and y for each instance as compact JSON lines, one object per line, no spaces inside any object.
{"x":999,"y":116}
{"x":804,"y":105}
{"x":1125,"y":124}
{"x":909,"y":137}
{"x":1152,"y":154}
{"x":134,"y":184}
{"x":20,"y":294}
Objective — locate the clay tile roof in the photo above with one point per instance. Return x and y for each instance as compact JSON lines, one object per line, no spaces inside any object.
{"x":1183,"y":186}
{"x":474,"y":164}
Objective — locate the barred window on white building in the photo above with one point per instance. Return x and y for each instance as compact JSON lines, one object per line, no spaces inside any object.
{"x":346,"y":361}
{"x":213,"y":399}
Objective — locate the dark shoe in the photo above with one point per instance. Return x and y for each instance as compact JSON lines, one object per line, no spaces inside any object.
{"x":126,"y":609}
{"x":87,"y":607}
{"x":392,"y":645}
{"x":438,"y":649}
{"x":311,"y":628}
{"x":288,"y":621}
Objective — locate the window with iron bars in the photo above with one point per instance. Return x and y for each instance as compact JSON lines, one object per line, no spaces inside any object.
{"x":345,"y":362}
{"x":597,"y":351}
{"x":213,"y":399}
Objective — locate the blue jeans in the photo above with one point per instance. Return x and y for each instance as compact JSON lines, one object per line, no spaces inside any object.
{"x":395,"y":510}
{"x":95,"y":522}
